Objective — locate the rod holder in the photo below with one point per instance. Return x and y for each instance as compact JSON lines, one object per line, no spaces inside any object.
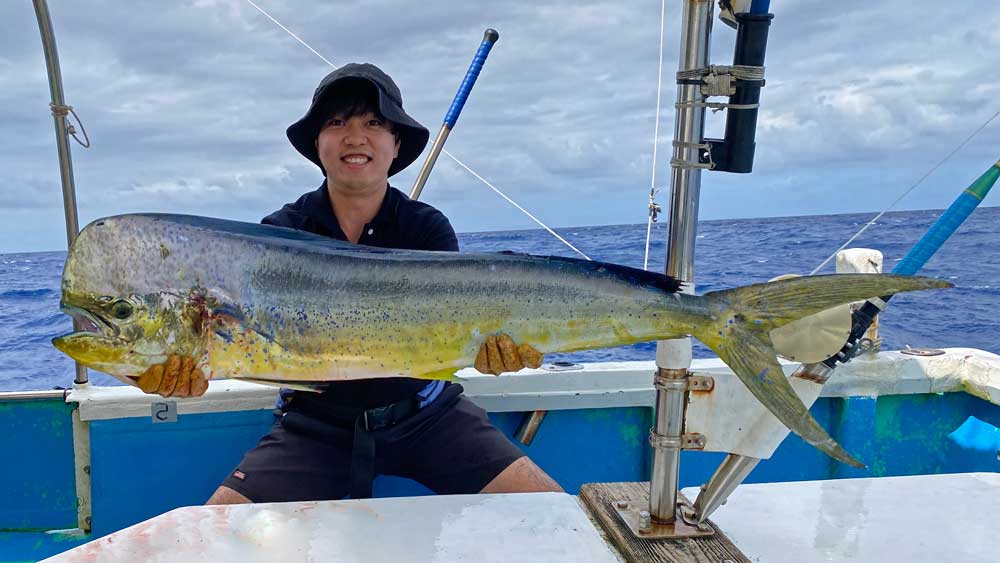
{"x":735,"y":152}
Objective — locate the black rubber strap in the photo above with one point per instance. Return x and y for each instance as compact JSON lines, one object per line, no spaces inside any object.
{"x":363,"y":452}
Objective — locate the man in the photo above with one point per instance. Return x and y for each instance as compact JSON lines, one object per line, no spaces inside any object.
{"x":330,"y":445}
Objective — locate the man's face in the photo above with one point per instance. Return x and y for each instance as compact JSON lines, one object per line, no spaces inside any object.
{"x":356,"y":152}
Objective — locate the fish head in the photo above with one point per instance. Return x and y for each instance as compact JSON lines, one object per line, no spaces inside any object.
{"x":125,"y":335}
{"x":128,"y":283}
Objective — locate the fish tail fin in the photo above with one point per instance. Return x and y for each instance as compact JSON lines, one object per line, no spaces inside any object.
{"x":743,"y":317}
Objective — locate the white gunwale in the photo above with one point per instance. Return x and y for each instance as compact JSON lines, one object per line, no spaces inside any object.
{"x":596,"y":385}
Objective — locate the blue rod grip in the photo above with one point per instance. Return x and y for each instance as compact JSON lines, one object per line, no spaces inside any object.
{"x":760,"y":6}
{"x":489,"y":39}
{"x":932,"y":240}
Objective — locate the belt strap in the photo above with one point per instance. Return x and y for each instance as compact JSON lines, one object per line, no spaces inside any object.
{"x":363,"y":454}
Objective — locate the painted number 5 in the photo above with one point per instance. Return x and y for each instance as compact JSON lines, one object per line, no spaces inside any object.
{"x":164,"y":412}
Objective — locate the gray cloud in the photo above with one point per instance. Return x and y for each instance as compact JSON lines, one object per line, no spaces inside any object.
{"x":187,"y":102}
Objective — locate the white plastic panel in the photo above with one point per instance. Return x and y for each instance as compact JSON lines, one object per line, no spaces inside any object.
{"x":537,"y":527}
{"x":917,"y":519}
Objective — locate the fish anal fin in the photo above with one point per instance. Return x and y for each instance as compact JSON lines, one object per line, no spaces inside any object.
{"x":446,"y":374}
{"x":315,"y":387}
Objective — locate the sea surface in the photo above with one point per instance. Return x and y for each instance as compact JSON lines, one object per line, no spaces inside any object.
{"x":728,"y":253}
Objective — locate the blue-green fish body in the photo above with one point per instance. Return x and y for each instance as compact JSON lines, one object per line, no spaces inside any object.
{"x":291,"y":308}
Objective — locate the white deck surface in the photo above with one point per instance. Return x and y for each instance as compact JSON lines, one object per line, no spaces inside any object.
{"x":473,"y":528}
{"x":919,"y":519}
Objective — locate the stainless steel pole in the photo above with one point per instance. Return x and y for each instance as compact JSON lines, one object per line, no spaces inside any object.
{"x":62,"y":137}
{"x":674,"y":356}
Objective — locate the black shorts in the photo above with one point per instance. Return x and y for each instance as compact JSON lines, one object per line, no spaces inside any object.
{"x":449,"y":446}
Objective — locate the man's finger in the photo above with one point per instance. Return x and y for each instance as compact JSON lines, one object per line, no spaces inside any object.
{"x":150,"y":380}
{"x":482,"y":364}
{"x":508,"y":352}
{"x":530,"y":356}
{"x":493,"y":356}
{"x":183,"y":388}
{"x":170,"y":373}
{"x":199,"y":383}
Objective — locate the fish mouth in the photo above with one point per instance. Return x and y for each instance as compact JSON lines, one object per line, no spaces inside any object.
{"x":88,"y":323}
{"x":94,"y":344}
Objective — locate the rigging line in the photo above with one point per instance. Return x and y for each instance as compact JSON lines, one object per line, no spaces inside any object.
{"x":656,"y":138}
{"x":514,"y":203}
{"x":907,"y":192}
{"x":481,"y":179}
{"x":289,"y":32}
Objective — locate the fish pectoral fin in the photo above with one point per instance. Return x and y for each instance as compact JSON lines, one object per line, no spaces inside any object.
{"x":446,"y":374}
{"x":229,"y":321}
{"x":235,"y":332}
{"x":753,"y":360}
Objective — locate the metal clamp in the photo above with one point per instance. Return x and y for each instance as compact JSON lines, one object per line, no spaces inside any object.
{"x":691,"y":441}
{"x":700,"y":383}
{"x":689,"y":383}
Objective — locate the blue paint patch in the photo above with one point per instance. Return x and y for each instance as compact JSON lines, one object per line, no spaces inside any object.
{"x":977,"y":435}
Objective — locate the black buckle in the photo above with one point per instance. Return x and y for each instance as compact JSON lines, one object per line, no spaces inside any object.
{"x":377,"y":418}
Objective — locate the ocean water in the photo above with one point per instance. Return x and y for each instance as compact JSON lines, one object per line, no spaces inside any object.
{"x":728,"y":253}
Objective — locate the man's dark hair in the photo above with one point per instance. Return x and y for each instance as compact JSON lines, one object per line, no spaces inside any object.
{"x":355,"y":97}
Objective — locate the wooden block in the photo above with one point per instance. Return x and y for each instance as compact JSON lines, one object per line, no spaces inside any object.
{"x":597,"y":498}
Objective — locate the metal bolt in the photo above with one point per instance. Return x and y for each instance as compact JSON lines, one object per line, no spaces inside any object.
{"x":622,"y":504}
{"x":644,"y":521}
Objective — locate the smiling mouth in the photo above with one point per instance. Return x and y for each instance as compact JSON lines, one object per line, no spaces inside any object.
{"x":356,"y":159}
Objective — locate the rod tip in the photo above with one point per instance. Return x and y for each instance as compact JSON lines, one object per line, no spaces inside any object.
{"x":491,"y":35}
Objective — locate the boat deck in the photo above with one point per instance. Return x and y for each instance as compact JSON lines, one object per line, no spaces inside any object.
{"x":899,"y":414}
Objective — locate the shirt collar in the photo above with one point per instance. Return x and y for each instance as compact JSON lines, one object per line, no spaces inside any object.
{"x":322,"y":210}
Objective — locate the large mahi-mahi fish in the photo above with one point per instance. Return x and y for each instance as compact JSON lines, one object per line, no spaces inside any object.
{"x":286,"y":307}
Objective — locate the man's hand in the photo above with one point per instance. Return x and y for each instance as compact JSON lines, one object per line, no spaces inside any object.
{"x":499,"y":354}
{"x":177,"y":377}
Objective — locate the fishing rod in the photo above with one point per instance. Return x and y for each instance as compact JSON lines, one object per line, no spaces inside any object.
{"x":490,"y":38}
{"x":735,"y":468}
{"x":529,"y":425}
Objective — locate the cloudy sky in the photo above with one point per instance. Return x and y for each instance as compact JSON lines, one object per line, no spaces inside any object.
{"x":186,"y":103}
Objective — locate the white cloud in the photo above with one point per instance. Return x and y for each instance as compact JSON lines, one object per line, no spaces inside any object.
{"x":187,"y":103}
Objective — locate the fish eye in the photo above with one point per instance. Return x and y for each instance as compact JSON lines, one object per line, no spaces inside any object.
{"x":121,"y":310}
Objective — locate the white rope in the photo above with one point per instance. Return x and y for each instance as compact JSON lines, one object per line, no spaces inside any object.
{"x":289,"y":32}
{"x":512,"y":202}
{"x":656,"y":139}
{"x":907,"y":192}
{"x":481,"y":179}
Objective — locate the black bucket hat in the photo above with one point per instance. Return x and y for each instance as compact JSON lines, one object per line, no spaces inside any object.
{"x":412,"y":135}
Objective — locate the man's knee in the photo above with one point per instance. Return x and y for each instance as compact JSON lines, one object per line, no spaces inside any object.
{"x":522,"y":476}
{"x":225,"y":495}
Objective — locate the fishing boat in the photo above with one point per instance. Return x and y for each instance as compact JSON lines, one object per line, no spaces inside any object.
{"x":112,"y":474}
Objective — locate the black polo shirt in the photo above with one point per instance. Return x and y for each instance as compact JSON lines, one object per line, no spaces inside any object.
{"x":399,"y":223}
